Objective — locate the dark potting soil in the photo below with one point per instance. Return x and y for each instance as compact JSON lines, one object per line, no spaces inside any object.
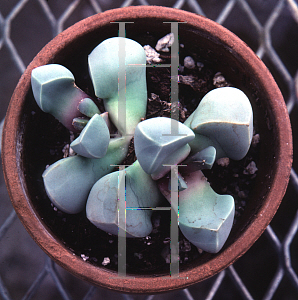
{"x":151,"y":254}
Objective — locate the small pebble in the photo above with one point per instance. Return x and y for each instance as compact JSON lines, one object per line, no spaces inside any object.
{"x":251,"y":169}
{"x":200,"y":65}
{"x":219,"y":80}
{"x":71,"y":152}
{"x":85,"y":257}
{"x":138,"y":255}
{"x":185,"y":245}
{"x":167,"y":240}
{"x":72,"y":136}
{"x":164,"y":43}
{"x":189,"y":63}
{"x":156,"y":222}
{"x":200,"y":250}
{"x":182,"y":114}
{"x":165,"y":253}
{"x":255,"y":140}
{"x":151,"y":55}
{"x":106,"y":261}
{"x":187,"y":79}
{"x":224,"y":161}
{"x":67,"y":151}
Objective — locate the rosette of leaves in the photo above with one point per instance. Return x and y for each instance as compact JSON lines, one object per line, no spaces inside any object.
{"x":205,"y":217}
{"x":69,"y":180}
{"x":221,"y":126}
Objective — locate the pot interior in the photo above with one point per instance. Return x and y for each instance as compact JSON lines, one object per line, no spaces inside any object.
{"x":42,"y":138}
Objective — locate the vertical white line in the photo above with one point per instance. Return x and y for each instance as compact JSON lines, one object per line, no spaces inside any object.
{"x":174,"y":231}
{"x":121,"y":222}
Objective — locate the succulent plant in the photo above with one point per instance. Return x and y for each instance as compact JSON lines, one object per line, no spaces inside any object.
{"x":118,"y":71}
{"x":69,"y":180}
{"x":55,"y":92}
{"x":156,"y":146}
{"x":223,"y":119}
{"x":94,"y":139}
{"x":88,"y":108}
{"x":221,"y":126}
{"x":141,"y":191}
{"x":205,"y":218}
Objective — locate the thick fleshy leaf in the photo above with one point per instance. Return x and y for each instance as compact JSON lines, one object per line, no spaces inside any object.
{"x":158,"y":138}
{"x":118,"y":71}
{"x":88,"y":108}
{"x":69,"y":180}
{"x":223,"y":119}
{"x":94,"y":139}
{"x":205,"y":218}
{"x":140,"y":191}
{"x":55,"y":92}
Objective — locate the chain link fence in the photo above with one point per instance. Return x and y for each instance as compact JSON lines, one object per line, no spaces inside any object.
{"x":269,"y":269}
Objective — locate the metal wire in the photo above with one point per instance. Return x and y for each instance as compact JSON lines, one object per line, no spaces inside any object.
{"x":285,"y":267}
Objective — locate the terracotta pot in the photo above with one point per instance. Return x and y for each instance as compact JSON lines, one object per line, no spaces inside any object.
{"x":26,"y":128}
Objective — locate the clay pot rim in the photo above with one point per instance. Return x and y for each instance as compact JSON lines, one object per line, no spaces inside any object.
{"x":145,"y":284}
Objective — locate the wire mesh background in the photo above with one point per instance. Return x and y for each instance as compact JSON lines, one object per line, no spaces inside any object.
{"x":269,"y":269}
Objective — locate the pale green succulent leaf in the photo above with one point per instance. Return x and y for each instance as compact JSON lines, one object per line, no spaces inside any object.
{"x":88,"y":108}
{"x":140,"y":191}
{"x":205,"y":218}
{"x":155,"y":140}
{"x":224,"y":120}
{"x":94,"y":139}
{"x":55,"y":92}
{"x":68,"y":181}
{"x":117,"y":68}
